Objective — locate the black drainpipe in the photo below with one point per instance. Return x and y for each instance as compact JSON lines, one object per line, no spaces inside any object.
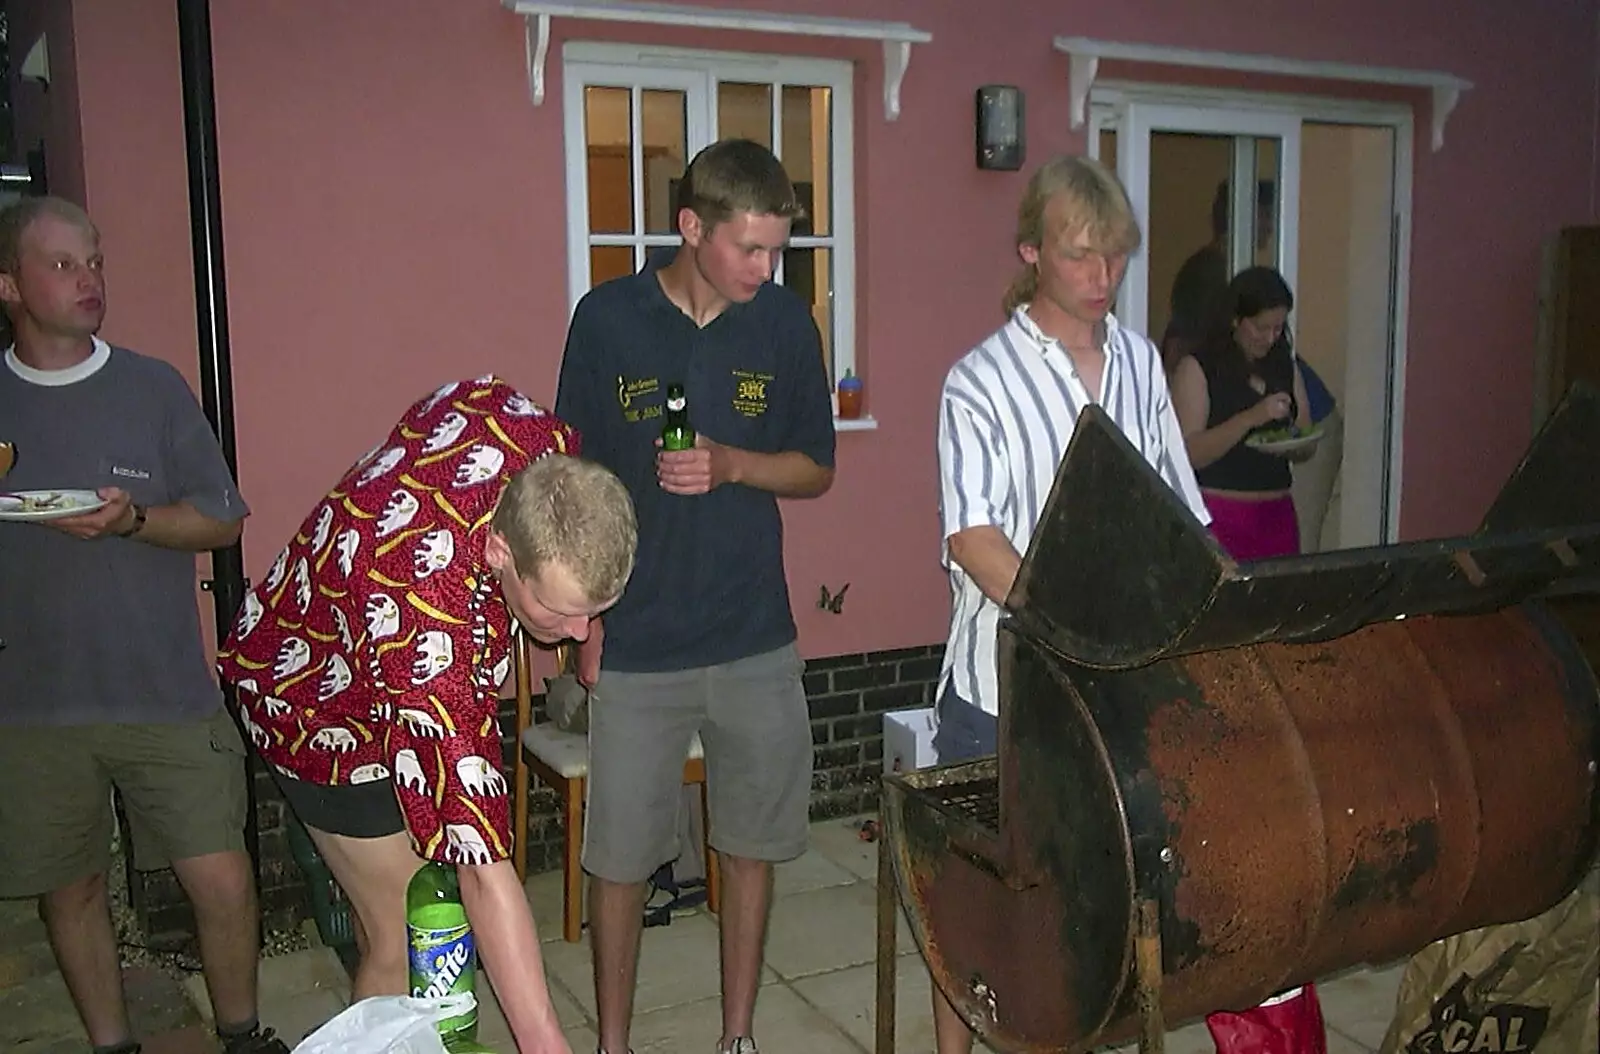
{"x":227,"y":583}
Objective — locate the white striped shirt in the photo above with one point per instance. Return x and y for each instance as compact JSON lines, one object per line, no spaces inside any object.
{"x":1006,"y":413}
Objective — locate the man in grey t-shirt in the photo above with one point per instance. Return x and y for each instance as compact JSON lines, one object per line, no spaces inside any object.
{"x":103,"y":677}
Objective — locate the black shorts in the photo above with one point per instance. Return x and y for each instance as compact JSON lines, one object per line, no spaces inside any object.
{"x":359,"y":810}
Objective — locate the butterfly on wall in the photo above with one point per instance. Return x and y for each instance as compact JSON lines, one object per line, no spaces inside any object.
{"x":833,"y":602}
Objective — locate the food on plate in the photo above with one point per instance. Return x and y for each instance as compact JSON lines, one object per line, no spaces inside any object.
{"x":1282,"y":434}
{"x":41,"y":501}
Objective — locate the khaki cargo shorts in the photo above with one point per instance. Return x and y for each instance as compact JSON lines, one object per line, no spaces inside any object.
{"x":181,"y":784}
{"x":756,"y":728}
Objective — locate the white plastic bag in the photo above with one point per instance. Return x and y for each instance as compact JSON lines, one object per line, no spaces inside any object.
{"x":387,"y":1024}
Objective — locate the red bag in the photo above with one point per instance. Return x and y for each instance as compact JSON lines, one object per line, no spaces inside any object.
{"x":1288,"y":1023}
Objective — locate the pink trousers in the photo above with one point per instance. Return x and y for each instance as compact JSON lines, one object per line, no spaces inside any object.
{"x":1254,"y":530}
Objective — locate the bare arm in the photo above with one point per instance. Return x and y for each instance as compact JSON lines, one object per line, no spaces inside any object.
{"x":988,"y":556}
{"x":179,"y":526}
{"x":788,"y":475}
{"x":1302,"y":401}
{"x":508,"y":942}
{"x":1303,"y":417}
{"x":1192,"y":400}
{"x":587,"y":667}
{"x":710,"y":464}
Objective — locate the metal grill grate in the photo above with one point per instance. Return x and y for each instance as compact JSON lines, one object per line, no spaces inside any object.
{"x":977,"y":800}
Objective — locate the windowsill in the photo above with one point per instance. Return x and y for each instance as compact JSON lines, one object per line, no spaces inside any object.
{"x":855,"y":424}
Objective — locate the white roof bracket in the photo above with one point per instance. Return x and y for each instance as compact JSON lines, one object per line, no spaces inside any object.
{"x":896,"y":57}
{"x":1445,"y":97}
{"x":1080,"y":78}
{"x":897,"y":37}
{"x":536,"y":48}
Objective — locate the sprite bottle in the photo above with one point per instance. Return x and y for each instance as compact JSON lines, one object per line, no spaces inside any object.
{"x":444,"y":957}
{"x":677,"y":433}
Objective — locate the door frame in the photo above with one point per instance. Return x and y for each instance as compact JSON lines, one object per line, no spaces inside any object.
{"x":1107,"y":97}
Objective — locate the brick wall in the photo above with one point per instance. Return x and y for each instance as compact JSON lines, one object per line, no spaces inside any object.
{"x":848,"y":696}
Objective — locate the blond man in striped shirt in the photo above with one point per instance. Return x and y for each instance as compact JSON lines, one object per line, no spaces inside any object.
{"x":1006,"y":413}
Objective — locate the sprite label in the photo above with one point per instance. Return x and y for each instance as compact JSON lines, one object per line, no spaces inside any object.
{"x":444,"y":962}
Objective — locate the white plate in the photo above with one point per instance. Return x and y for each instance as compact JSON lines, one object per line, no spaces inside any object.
{"x":1286,"y":446}
{"x":37,"y":505}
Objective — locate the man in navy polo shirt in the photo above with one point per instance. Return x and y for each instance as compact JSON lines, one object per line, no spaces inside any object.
{"x":703,"y":639}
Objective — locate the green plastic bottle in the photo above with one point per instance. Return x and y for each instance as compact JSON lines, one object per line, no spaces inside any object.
{"x":444,"y":957}
{"x":677,"y":433}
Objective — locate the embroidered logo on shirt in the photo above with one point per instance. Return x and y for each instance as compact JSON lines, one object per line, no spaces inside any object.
{"x":750,"y":392}
{"x":129,"y":473}
{"x":628,"y":391}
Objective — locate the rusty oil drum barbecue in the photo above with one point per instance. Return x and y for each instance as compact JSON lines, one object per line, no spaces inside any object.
{"x":1217,"y":781}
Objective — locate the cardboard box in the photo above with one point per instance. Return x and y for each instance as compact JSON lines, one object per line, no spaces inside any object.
{"x":908,"y":740}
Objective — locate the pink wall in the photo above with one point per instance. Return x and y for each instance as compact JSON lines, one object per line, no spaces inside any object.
{"x":394,"y":211}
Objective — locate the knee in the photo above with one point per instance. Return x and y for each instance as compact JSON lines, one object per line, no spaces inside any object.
{"x":743,"y":867}
{"x":73,"y":898}
{"x":220,"y":883}
{"x":384,"y":959}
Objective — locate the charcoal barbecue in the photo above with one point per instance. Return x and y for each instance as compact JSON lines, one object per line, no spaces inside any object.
{"x":1215,"y":781}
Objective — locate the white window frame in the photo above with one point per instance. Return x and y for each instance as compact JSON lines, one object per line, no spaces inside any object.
{"x":697,"y":74}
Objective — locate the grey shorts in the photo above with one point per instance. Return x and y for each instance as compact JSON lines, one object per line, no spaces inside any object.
{"x":753,"y":720}
{"x":183,"y":786}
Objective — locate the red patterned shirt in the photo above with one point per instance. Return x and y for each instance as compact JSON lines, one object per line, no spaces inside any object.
{"x":376,"y":645}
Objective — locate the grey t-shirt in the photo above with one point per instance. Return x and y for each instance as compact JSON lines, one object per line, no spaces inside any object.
{"x":105,"y":630}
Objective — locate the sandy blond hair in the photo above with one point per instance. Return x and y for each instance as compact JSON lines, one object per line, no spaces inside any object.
{"x":1064,"y":197}
{"x":574,"y":513}
{"x":17,"y":217}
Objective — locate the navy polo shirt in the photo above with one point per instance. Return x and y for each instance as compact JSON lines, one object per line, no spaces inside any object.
{"x":708,"y":586}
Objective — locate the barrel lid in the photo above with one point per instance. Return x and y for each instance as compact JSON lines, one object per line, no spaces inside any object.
{"x":1120,"y":573}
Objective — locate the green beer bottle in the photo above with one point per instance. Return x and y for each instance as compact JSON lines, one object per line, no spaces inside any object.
{"x":677,"y":433}
{"x":444,"y":957}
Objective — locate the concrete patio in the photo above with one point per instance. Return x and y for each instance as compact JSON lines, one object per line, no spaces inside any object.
{"x":817,"y":996}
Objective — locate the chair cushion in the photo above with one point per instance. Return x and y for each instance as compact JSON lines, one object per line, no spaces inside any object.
{"x":568,"y":752}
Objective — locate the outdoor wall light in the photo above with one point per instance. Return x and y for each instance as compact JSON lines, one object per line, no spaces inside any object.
{"x":1001,"y":143}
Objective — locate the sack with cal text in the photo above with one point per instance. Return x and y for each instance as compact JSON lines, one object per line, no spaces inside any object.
{"x":1530,"y":986}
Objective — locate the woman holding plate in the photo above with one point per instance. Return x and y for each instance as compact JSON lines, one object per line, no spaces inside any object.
{"x":1241,"y":401}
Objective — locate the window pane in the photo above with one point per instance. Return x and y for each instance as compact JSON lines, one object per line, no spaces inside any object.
{"x":1266,"y":220}
{"x":608,"y":130}
{"x":666,"y":147}
{"x":609,"y":261}
{"x":809,"y":272}
{"x":807,"y":155}
{"x":1187,"y":254}
{"x":1108,"y":148}
{"x":744,"y":111}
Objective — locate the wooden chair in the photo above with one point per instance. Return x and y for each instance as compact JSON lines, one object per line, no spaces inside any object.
{"x":561,"y":760}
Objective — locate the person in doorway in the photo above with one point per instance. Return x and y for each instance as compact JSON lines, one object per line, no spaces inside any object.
{"x":368,"y":663}
{"x":1006,"y":413}
{"x":1243,"y":379}
{"x":703,"y":639}
{"x":1203,"y":278}
{"x":103,"y":679}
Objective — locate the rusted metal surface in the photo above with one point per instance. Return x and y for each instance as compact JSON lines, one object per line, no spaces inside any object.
{"x":1306,"y":764}
{"x":1294,"y":809}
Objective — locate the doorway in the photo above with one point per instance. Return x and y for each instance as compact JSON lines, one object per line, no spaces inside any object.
{"x":1320,"y":195}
